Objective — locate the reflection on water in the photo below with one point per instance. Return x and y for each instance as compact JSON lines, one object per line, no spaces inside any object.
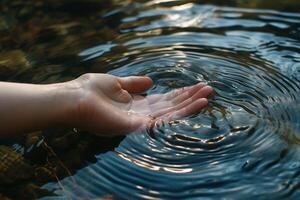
{"x":245,"y":145}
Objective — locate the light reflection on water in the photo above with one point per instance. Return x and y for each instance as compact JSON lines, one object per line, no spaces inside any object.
{"x":245,"y":145}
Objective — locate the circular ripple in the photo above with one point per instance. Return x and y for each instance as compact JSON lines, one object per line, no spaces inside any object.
{"x":243,"y":146}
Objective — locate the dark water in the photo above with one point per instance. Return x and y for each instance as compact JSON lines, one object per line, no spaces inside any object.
{"x":245,"y":145}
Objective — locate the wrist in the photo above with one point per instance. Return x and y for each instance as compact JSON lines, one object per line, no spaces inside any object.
{"x":65,"y":100}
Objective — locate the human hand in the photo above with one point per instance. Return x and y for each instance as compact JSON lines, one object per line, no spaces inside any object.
{"x":110,"y":104}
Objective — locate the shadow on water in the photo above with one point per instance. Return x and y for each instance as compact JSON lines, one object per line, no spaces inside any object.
{"x":245,"y":145}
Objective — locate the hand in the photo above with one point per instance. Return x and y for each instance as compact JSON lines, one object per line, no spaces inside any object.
{"x":111,"y":105}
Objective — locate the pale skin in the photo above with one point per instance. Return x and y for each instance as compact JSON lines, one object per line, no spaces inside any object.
{"x":100,"y":103}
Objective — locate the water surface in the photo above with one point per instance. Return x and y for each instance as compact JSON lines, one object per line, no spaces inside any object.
{"x":245,"y":145}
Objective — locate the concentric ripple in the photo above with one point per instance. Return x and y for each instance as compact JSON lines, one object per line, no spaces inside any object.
{"x":245,"y":145}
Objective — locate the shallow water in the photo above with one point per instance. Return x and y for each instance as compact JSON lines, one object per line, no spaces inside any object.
{"x":245,"y":145}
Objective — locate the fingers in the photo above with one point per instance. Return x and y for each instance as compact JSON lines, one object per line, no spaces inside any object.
{"x":176,"y":104}
{"x":202,"y":93}
{"x":187,"y":110}
{"x":136,"y":122}
{"x":173,"y":94}
{"x":123,"y":96}
{"x":152,"y":99}
{"x":135,"y":84}
{"x":188,"y":93}
{"x":173,"y":97}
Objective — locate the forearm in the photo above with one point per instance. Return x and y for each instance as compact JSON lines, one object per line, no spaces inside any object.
{"x":29,"y":107}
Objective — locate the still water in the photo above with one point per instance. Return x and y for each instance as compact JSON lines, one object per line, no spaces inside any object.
{"x":245,"y":145}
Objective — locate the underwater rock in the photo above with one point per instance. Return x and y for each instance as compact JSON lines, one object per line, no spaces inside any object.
{"x":13,"y":62}
{"x":4,"y":197}
{"x":13,"y":167}
{"x":44,"y":174}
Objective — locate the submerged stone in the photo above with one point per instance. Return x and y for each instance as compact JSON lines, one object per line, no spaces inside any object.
{"x":13,"y":167}
{"x":13,"y":62}
{"x":4,"y":197}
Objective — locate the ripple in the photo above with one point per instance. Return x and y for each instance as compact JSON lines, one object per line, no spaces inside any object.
{"x":243,"y":146}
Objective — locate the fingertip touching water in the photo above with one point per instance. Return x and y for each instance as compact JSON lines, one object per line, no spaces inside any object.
{"x":244,"y":145}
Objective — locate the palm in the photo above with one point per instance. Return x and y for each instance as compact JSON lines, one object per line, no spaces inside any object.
{"x":115,"y":107}
{"x":175,"y":104}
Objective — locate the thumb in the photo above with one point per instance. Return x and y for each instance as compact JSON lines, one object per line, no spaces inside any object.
{"x":135,"y":84}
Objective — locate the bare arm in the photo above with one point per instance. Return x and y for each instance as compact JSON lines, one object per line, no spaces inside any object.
{"x":29,"y":107}
{"x":100,"y":103}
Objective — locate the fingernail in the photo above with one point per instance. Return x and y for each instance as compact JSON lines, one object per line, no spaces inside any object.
{"x":201,"y":84}
{"x":203,"y":100}
{"x":207,"y":88}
